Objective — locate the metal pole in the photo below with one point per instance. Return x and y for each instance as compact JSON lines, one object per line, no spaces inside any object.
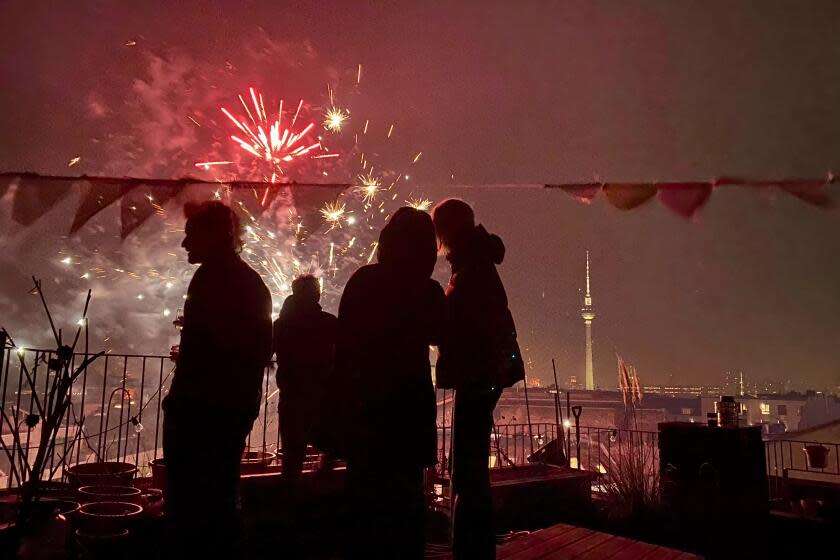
{"x":568,"y":417}
{"x":576,"y":410}
{"x":558,"y":415}
{"x":528,"y":412}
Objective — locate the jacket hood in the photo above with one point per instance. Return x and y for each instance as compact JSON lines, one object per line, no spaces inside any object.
{"x":483,"y":246}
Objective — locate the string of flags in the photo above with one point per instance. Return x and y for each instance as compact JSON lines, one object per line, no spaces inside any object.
{"x":687,"y":198}
{"x":140,"y":198}
{"x":34,"y":195}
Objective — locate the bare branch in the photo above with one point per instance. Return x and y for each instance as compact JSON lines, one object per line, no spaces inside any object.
{"x":47,"y":309}
{"x":84,"y":320}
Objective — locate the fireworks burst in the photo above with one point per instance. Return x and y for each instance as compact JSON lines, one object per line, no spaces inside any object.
{"x":335,"y":118}
{"x":268,"y":139}
{"x":333,"y":212}
{"x":368,"y":187}
{"x":419,"y":203}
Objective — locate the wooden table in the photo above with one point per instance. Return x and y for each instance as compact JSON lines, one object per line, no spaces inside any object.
{"x":566,"y":541}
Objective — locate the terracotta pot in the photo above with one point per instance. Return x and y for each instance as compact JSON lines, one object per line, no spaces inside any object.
{"x":817,"y":456}
{"x":255,"y":461}
{"x":106,"y":518}
{"x":159,"y":474}
{"x":102,"y":545}
{"x":49,"y":527}
{"x":110,"y":494}
{"x":102,"y":473}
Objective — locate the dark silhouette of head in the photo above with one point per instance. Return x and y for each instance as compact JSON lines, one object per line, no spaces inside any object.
{"x":212,"y":231}
{"x":454,"y":223}
{"x":306,"y":288}
{"x":407,"y":242}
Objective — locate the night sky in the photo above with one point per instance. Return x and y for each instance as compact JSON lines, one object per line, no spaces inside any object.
{"x":498,"y":93}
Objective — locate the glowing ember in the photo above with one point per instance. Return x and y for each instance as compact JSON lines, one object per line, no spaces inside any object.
{"x":333,"y":212}
{"x":419,"y":203}
{"x":335,"y":118}
{"x":368,"y":188}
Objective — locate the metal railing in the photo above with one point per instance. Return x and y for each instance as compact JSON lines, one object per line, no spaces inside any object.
{"x":115,"y":410}
{"x":787,"y":458}
{"x":598,"y":450}
{"x":116,"y":414}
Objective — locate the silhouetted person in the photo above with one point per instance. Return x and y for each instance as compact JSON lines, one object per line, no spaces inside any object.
{"x":390,"y":313}
{"x":217,"y":387}
{"x":478,"y":358}
{"x":304,"y":342}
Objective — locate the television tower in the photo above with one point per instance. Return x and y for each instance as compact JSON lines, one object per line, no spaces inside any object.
{"x":588,"y":314}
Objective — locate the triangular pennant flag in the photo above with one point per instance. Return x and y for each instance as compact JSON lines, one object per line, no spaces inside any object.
{"x":584,"y":192}
{"x":35,"y":196}
{"x":99,"y":195}
{"x":815,"y":193}
{"x":139,"y":204}
{"x":6,"y":181}
{"x":255,"y":198}
{"x":684,"y":198}
{"x":310,"y":199}
{"x":628,"y":196}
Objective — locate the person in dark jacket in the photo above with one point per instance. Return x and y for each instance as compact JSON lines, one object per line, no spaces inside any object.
{"x":478,"y":358}
{"x":217,"y":386}
{"x":304,"y":343}
{"x":389,"y":314}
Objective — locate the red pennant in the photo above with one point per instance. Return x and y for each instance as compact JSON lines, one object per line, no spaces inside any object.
{"x":139,"y":204}
{"x":684,"y":198}
{"x":585,"y":192}
{"x":35,"y":196}
{"x":99,"y":196}
{"x":628,"y":196}
{"x":5,"y":183}
{"x":815,"y":193}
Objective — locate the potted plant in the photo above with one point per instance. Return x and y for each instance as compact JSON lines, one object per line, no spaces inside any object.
{"x":34,"y":476}
{"x":816,"y":455}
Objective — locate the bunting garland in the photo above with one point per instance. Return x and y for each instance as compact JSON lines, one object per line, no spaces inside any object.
{"x":34,"y":195}
{"x":97,"y":197}
{"x":687,"y":198}
{"x":138,"y":205}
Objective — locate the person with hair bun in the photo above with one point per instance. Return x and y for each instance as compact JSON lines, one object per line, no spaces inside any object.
{"x":478,"y":358}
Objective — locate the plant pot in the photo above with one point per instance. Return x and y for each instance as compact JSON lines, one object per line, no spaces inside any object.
{"x":107,"y":518}
{"x":102,"y":473}
{"x":159,"y":474}
{"x":101,"y":545}
{"x":52,"y":489}
{"x":255,"y":461}
{"x":816,"y":455}
{"x":110,"y":494}
{"x":48,"y":528}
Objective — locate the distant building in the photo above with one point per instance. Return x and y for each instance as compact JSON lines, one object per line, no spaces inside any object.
{"x":685,"y":390}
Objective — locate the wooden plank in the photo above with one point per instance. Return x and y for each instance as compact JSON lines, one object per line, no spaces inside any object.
{"x":552,"y":544}
{"x":662,"y":553}
{"x":635,"y":551}
{"x":608,"y":548}
{"x":580,"y":547}
{"x":527,"y":541}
